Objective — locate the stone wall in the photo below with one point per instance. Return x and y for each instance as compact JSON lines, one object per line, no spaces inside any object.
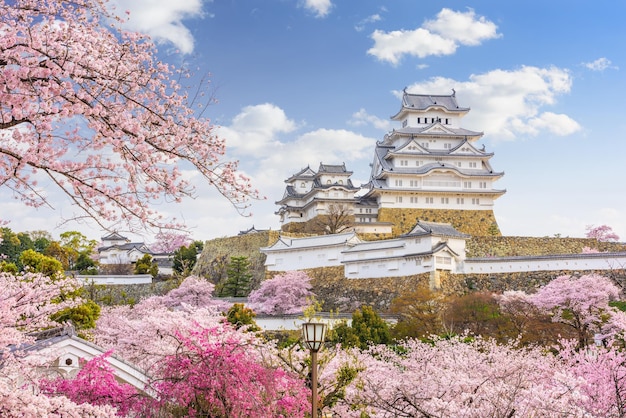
{"x":500,"y":246}
{"x":216,"y":254}
{"x":472,"y":222}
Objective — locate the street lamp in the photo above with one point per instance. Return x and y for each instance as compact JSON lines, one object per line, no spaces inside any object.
{"x":313,"y":334}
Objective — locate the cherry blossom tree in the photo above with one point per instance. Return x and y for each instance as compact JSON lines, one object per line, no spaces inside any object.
{"x":87,"y":107}
{"x":603,"y":372}
{"x":26,"y":303}
{"x":286,"y":293}
{"x":602,"y":233}
{"x":169,"y":241}
{"x":581,"y":303}
{"x":459,"y":377}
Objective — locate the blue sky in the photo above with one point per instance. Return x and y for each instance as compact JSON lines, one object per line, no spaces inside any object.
{"x":304,"y":82}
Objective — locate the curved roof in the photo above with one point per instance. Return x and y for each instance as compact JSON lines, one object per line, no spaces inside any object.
{"x":423,"y":102}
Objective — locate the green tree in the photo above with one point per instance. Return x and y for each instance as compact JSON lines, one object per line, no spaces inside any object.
{"x":237,"y":284}
{"x":367,"y":328}
{"x":41,"y":239}
{"x":40,"y":263}
{"x":185,"y":258}
{"x":240,"y":316}
{"x":83,"y":316}
{"x":10,"y":245}
{"x":145,"y":265}
{"x":75,"y":243}
{"x":58,"y":252}
{"x":86,"y":265}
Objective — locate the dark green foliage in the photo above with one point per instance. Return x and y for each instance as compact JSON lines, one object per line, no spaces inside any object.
{"x":240,"y":316}
{"x":185,"y":258}
{"x":619,"y":304}
{"x":367,"y":328}
{"x":10,"y":246}
{"x":237,"y":283}
{"x":145,"y":265}
{"x":86,"y":265}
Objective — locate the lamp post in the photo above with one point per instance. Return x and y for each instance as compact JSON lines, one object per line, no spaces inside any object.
{"x":313,"y":334}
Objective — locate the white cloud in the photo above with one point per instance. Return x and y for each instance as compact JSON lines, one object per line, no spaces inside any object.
{"x":509,"y":103}
{"x":362,"y":118}
{"x":600,"y":64}
{"x":370,"y":19}
{"x":441,"y":36}
{"x":255,"y":129}
{"x":161,"y":19}
{"x":321,"y":8}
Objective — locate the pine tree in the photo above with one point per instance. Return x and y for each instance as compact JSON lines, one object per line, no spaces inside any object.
{"x":238,"y":282}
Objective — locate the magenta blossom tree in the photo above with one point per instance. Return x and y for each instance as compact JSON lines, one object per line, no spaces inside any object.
{"x":95,"y":384}
{"x":211,"y":376}
{"x":286,"y":293}
{"x":87,"y":107}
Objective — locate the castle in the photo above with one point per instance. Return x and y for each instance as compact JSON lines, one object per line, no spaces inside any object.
{"x":430,"y":190}
{"x":428,"y":169}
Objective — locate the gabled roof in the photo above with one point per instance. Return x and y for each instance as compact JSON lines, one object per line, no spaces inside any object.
{"x":435,"y":228}
{"x":305,"y":174}
{"x":422,"y":102}
{"x":139,"y":246}
{"x":114,"y":236}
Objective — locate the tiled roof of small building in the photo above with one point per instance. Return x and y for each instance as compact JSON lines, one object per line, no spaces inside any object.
{"x":436,"y":228}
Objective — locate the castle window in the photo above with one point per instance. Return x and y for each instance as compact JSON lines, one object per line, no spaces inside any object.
{"x":444,"y":200}
{"x":472,"y":164}
{"x":459,"y":164}
{"x":413,"y":199}
{"x":328,"y":182}
{"x":460,"y":201}
{"x":447,"y":121}
{"x":482,"y":185}
{"x":425,"y":145}
{"x":447,"y":145}
{"x":419,"y":120}
{"x":399,"y":183}
{"x":340,"y":181}
{"x":404,"y":123}
{"x":475,"y":201}
{"x":467,"y":184}
{"x":398,"y":199}
{"x":302,"y":185}
{"x":418,"y":163}
{"x":404,"y":163}
{"x":429,"y":200}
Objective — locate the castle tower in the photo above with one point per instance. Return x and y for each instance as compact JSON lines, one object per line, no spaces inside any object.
{"x":430,"y":169}
{"x":319,"y":201}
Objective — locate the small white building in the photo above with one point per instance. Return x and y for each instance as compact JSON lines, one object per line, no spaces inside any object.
{"x":117,"y":249}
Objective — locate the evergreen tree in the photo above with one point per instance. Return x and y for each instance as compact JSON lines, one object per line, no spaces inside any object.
{"x":185,"y":258}
{"x":145,"y":265}
{"x":238,"y":282}
{"x":367,"y":328}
